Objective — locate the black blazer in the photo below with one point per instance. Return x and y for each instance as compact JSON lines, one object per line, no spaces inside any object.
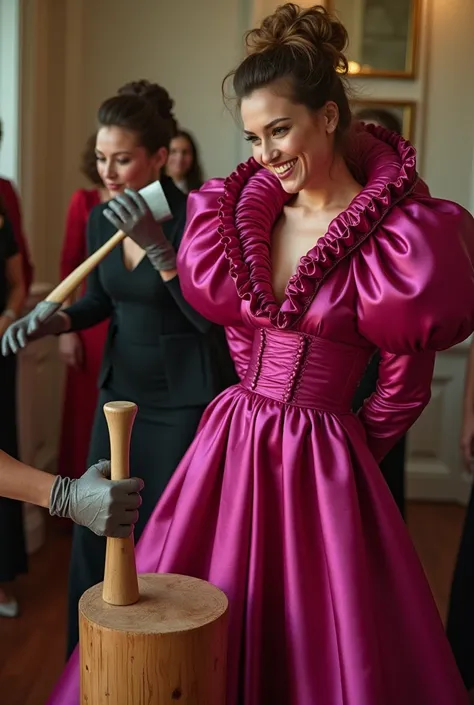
{"x":197,"y":362}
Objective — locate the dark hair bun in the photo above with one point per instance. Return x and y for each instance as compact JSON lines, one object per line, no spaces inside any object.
{"x":156,"y":95}
{"x":312,"y":31}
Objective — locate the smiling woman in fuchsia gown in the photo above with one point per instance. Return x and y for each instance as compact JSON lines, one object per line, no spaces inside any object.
{"x":319,"y":250}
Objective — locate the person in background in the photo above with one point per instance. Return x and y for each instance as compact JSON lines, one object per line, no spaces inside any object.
{"x":460,"y":618}
{"x":393,"y":465}
{"x":81,"y":351}
{"x":12,"y":208}
{"x":107,"y":508}
{"x":183,"y":164}
{"x":160,"y":353}
{"x":380,"y":117}
{"x":13,"y":557}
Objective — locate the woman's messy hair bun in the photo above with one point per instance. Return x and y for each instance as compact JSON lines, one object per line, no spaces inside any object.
{"x":311,"y":31}
{"x":157,"y":96}
{"x":303,"y":50}
{"x":143,"y":108}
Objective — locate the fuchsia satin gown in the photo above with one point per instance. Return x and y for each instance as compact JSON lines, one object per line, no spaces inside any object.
{"x":279,"y":501}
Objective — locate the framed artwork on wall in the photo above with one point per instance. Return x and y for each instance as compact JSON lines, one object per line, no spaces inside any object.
{"x":396,"y":115}
{"x":383,"y":36}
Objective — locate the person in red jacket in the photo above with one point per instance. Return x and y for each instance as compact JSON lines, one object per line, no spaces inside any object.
{"x":11,"y":204}
{"x":82,"y":350}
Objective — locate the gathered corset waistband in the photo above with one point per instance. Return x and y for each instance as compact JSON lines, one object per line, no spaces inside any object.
{"x":305,"y":370}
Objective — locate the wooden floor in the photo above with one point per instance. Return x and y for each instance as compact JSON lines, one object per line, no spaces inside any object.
{"x":32,"y":647}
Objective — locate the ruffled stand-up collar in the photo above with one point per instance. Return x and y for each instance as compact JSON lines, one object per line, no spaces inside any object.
{"x":253,"y":200}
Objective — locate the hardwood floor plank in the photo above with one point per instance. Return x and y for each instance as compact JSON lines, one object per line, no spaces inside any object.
{"x":32,"y":648}
{"x":436,"y":530}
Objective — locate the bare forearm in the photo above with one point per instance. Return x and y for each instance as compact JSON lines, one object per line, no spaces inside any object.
{"x":469,"y":382}
{"x":24,"y":483}
{"x":168,"y":275}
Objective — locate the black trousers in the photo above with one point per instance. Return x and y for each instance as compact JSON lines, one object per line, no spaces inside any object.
{"x":460,"y":622}
{"x":13,"y":557}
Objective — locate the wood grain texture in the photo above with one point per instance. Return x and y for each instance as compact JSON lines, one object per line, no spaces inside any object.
{"x":169,"y":646}
{"x":120,"y":586}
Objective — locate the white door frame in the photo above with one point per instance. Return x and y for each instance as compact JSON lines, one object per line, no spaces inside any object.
{"x":10,"y":76}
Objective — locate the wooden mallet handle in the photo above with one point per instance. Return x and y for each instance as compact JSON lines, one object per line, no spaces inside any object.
{"x":156,"y":200}
{"x":69,"y":285}
{"x":120,"y":577}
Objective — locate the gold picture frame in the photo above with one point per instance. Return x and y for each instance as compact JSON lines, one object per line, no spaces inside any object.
{"x":381,"y":32}
{"x":401,"y":111}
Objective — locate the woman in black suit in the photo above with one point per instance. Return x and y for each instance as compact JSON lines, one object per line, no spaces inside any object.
{"x":159,"y":353}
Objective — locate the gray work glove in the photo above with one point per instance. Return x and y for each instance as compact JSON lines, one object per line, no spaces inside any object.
{"x":45,"y":319}
{"x":129,"y":212}
{"x":108,"y":508}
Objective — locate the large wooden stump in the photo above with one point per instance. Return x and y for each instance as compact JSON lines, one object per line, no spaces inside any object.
{"x":169,"y":647}
{"x":153,"y":640}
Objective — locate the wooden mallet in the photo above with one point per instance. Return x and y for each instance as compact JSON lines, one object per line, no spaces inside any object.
{"x":152,"y":640}
{"x":156,"y":201}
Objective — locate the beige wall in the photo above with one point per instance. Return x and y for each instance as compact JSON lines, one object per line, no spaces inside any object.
{"x":171,"y":43}
{"x":449,"y":138}
{"x":9,"y":87}
{"x":43,"y":130}
{"x":77,"y":53}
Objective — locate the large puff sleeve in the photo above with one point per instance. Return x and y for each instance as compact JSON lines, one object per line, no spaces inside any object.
{"x":202,"y":265}
{"x":415,"y":293}
{"x":415,"y":278}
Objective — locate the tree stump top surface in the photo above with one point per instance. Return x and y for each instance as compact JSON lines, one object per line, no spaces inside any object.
{"x":168,"y":603}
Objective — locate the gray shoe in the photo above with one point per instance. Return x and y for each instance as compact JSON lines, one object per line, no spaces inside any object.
{"x":9,"y":609}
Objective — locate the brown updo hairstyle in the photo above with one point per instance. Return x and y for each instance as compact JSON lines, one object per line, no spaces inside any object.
{"x":302,"y":48}
{"x":144,"y":108}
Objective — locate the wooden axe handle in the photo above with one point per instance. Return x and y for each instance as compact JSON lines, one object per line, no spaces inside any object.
{"x":69,"y":285}
{"x":120,"y":576}
{"x":155,"y":199}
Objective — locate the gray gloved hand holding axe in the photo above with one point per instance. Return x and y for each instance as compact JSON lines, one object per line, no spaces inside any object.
{"x":47,"y":318}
